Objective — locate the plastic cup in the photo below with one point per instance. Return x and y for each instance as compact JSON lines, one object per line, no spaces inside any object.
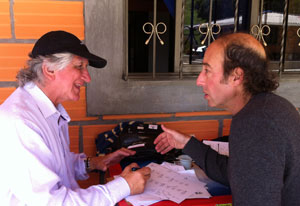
{"x":185,"y":161}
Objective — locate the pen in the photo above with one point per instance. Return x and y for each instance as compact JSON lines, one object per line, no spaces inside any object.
{"x":135,"y":168}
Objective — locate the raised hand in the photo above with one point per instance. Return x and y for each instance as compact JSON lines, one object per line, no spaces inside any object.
{"x":170,"y":139}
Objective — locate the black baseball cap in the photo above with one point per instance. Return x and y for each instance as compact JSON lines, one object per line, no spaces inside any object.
{"x":61,"y":41}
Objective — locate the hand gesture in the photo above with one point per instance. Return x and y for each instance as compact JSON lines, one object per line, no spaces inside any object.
{"x":136,"y":179}
{"x":104,"y":162}
{"x":170,"y":139}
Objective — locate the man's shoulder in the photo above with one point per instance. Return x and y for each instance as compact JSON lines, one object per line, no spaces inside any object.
{"x":272,"y":101}
{"x":267,"y":106}
{"x":270,"y":106}
{"x":279,"y":103}
{"x":17,"y":104}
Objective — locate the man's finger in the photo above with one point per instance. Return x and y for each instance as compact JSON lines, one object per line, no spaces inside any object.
{"x":125,"y":153}
{"x":159,"y":138}
{"x":131,"y":152}
{"x":161,"y":144}
{"x":146,"y":171}
{"x":166,"y":149}
{"x":163,"y":147}
{"x":165,"y":129}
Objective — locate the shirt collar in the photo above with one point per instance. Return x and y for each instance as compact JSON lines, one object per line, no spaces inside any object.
{"x":44,"y":103}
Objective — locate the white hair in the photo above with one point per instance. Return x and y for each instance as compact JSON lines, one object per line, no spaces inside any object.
{"x":34,"y":71}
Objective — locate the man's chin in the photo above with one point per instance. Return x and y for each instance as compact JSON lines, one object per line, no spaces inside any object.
{"x":75,"y":98}
{"x":210,"y":104}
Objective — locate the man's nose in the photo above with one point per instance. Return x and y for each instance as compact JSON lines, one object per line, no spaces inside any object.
{"x":85,"y":75}
{"x":200,"y":79}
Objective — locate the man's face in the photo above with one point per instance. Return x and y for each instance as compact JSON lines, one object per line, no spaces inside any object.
{"x":218,"y":92}
{"x":70,"y":79}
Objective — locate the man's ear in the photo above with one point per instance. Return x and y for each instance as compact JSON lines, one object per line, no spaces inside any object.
{"x":238,"y":76}
{"x":50,"y":75}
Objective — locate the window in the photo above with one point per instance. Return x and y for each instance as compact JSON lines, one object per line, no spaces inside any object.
{"x":151,"y":33}
{"x":205,"y":20}
{"x":168,"y":85}
{"x":280,"y":23}
{"x":167,"y":38}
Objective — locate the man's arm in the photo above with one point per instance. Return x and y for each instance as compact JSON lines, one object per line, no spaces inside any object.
{"x":32,"y":174}
{"x":213,"y":164}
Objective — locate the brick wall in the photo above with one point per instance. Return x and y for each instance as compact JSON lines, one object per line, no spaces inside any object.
{"x":22,"y":22}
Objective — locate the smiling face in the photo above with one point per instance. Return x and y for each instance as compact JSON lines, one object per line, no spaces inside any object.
{"x":217,"y":91}
{"x":68,"y":81}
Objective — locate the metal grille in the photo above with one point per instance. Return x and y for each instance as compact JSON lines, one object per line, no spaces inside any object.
{"x":196,"y":28}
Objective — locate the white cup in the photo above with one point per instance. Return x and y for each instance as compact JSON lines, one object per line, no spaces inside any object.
{"x":185,"y":161}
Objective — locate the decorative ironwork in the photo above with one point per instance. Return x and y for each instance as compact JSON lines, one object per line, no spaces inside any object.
{"x":155,"y":31}
{"x":258,"y":32}
{"x":298,"y":34}
{"x":209,"y":31}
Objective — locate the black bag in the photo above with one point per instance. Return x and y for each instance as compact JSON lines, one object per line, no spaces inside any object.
{"x":137,"y":136}
{"x":140,"y":137}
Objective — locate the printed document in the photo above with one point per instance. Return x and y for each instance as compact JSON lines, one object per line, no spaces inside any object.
{"x":170,"y":182}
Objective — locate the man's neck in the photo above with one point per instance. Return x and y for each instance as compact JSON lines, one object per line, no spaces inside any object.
{"x":239,"y":103}
{"x":47,"y":92}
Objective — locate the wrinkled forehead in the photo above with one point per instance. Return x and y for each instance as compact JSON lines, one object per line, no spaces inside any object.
{"x":214,"y":57}
{"x":80,"y":60}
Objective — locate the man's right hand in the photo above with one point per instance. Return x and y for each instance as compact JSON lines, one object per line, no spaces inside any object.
{"x":136,"y":179}
{"x":170,"y":139}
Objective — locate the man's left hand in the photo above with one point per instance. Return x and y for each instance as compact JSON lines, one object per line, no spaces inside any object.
{"x":104,"y":162}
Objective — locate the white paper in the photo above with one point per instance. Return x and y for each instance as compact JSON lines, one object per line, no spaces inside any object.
{"x":166,"y":184}
{"x":136,"y":145}
{"x":220,"y":147}
{"x":173,"y":167}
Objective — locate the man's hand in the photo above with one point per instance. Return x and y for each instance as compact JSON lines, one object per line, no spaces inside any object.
{"x":136,"y":179}
{"x":170,"y":139}
{"x":104,"y":162}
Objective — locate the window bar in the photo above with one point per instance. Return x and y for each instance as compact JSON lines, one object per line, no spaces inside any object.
{"x":284,"y":36}
{"x":298,"y":34}
{"x":209,"y":19}
{"x":260,"y":17}
{"x":236,"y":16}
{"x":154,"y":39}
{"x":125,"y":75}
{"x":259,"y":34}
{"x":181,"y":41}
{"x":191,"y":33}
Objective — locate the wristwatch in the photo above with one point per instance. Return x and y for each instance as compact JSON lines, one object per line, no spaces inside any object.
{"x":87,"y":162}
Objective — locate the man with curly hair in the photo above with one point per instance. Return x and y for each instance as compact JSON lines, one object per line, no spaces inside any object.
{"x":263,"y":167}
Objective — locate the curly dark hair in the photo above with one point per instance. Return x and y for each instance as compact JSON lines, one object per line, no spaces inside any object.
{"x":257,"y":75}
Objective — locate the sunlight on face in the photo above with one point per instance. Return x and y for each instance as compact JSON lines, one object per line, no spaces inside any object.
{"x":216,"y":90}
{"x":70,"y":79}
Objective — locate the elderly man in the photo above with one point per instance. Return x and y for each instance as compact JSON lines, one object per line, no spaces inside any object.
{"x":37,"y":165}
{"x":263,"y":167}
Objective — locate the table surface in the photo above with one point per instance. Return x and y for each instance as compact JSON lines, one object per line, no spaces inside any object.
{"x":222,"y":198}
